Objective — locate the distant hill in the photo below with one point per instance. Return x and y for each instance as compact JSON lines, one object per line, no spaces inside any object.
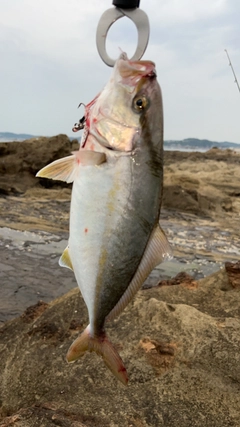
{"x":194,"y":144}
{"x":9,"y":136}
{"x":189,"y":144}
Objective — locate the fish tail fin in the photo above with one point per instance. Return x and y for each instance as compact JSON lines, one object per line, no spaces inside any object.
{"x":103,"y":347}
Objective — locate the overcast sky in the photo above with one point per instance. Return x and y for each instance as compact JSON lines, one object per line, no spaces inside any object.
{"x":49,"y":63}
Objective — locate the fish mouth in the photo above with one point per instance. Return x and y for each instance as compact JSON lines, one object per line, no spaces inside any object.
{"x":131,"y":72}
{"x":152,"y":74}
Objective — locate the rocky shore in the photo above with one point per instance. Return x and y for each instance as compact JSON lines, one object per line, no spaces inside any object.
{"x":179,"y":338}
{"x":199,"y":183}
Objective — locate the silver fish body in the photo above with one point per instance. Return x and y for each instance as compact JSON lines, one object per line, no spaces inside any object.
{"x":115,"y":240}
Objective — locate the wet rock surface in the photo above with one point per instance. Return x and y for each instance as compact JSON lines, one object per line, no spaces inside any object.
{"x":179,"y":338}
{"x":29,"y":259}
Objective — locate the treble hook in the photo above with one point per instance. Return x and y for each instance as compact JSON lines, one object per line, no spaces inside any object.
{"x":128,"y":8}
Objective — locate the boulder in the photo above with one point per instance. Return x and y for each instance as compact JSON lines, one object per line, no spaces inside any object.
{"x":180,"y":345}
{"x":202,"y":183}
{"x":20,"y":161}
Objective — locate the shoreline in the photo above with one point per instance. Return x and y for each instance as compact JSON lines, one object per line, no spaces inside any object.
{"x":200,"y":215}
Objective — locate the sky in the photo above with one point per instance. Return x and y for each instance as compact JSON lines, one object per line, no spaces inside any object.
{"x":49,"y":64}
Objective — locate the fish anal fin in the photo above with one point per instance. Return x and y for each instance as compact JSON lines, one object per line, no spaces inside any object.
{"x":103,"y":347}
{"x":66,"y":169}
{"x":159,"y":248}
{"x":65,"y":260}
{"x":157,"y":251}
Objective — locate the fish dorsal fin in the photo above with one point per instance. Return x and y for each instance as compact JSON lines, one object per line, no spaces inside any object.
{"x":157,"y":251}
{"x":66,"y":169}
{"x":65,"y":260}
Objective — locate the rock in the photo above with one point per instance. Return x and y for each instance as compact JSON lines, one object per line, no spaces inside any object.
{"x":205,"y":183}
{"x":43,"y":415}
{"x":202,"y":183}
{"x":233,"y":272}
{"x":180,"y":343}
{"x":193,"y":181}
{"x":20,"y":161}
{"x":181,"y":278}
{"x":180,"y":346}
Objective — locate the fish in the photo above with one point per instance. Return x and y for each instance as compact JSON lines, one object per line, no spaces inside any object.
{"x":115,"y":239}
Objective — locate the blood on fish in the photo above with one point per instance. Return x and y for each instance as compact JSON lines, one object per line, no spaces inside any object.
{"x":122,"y":369}
{"x":86,"y":230}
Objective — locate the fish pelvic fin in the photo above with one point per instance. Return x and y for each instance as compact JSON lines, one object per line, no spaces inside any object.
{"x":103,"y":347}
{"x":157,"y":251}
{"x":66,"y":169}
{"x":65,"y":260}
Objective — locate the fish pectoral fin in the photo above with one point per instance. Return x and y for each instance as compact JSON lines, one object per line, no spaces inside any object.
{"x":157,"y":251}
{"x":65,"y":260}
{"x":66,"y":169}
{"x":103,"y":347}
{"x":62,"y":170}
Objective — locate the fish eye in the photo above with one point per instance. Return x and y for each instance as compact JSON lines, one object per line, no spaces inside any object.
{"x":140,"y":103}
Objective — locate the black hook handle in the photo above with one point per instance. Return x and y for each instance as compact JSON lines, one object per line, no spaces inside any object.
{"x":126,"y":4}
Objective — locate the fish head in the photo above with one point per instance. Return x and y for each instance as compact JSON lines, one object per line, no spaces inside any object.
{"x":131,"y":99}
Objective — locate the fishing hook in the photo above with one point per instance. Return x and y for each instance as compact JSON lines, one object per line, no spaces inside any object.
{"x":80,"y":125}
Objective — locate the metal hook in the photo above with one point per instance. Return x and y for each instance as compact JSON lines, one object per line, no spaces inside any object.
{"x":140,"y":19}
